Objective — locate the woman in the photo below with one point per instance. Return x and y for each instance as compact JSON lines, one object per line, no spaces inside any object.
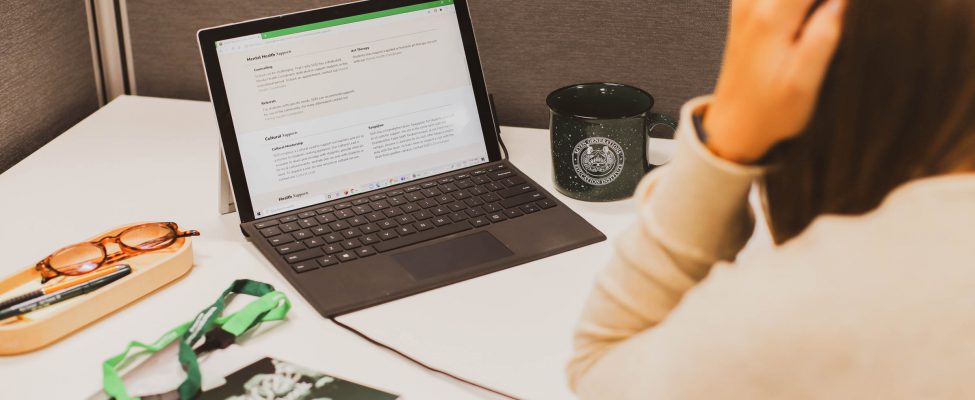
{"x":858,"y":120}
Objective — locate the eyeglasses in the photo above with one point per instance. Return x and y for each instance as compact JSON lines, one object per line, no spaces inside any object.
{"x":82,"y":258}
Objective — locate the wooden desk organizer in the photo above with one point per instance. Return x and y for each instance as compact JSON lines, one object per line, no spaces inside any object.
{"x":32,"y":331}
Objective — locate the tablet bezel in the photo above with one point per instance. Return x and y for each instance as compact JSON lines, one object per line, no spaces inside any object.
{"x":207,"y":39}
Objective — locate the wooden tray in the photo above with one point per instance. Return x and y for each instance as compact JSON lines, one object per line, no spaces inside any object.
{"x":32,"y":331}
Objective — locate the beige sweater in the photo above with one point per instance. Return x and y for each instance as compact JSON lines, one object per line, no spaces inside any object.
{"x":878,"y":306}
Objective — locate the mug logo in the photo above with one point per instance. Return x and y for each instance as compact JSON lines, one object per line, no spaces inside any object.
{"x":598,"y":161}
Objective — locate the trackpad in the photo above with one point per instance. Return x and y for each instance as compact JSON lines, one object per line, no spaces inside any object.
{"x":452,"y":256}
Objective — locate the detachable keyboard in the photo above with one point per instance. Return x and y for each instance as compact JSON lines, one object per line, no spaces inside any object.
{"x":400,"y":217}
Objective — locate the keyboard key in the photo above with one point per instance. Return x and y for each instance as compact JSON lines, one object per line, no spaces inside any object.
{"x":493,"y":187}
{"x":446,"y":180}
{"x":480,"y":180}
{"x":320,"y":230}
{"x":405,"y":230}
{"x":462,"y":176}
{"x":376,"y":216}
{"x":305,"y":266}
{"x":464,"y":184}
{"x":363,"y":209}
{"x":394,"y":193}
{"x":342,"y":206}
{"x":357,"y":221}
{"x":474,"y":201}
{"x":422,"y":236}
{"x":325,"y":210}
{"x":387,"y":224}
{"x":440,"y":210}
{"x":351,"y":233}
{"x":490,"y":197}
{"x":516,"y":190}
{"x":265,"y":224}
{"x":513,"y":181}
{"x":392,"y":212}
{"x":475,"y":211}
{"x":290,"y":218}
{"x":280,"y":239}
{"x":431,"y":192}
{"x":479,"y":222}
{"x":412,"y":188}
{"x":415,"y":196}
{"x":333,"y":238}
{"x":522,"y":199}
{"x":332,"y":249}
{"x":496,"y":217}
{"x":326,"y":218}
{"x":441,"y":221}
{"x":370,"y":239}
{"x":423,"y":225}
{"x":360,"y":202}
{"x":461,"y":195}
{"x":477,"y":191}
{"x":308,"y":222}
{"x":303,"y":255}
{"x":444,"y":199}
{"x":405,"y":219}
{"x":307,"y":214}
{"x":408,"y":208}
{"x":397,"y":201}
{"x":365,"y":252}
{"x":421,"y":215}
{"x":490,"y":208}
{"x":343,"y":214}
{"x":369,"y":228}
{"x":450,"y":187}
{"x":290,"y":248}
{"x":302,"y":235}
{"x":339,"y":226}
{"x":327,"y":261}
{"x":377,"y":197}
{"x":500,"y":174}
{"x":545,"y":204}
{"x":513,"y":213}
{"x":346,"y":256}
{"x":457,"y":216}
{"x":428,"y":185}
{"x":313,"y":242}
{"x":379,"y":205}
{"x":388,"y":234}
{"x":272,"y":231}
{"x":427,"y":203}
{"x":456,"y":207}
{"x":529,"y":208}
{"x":351,"y":244}
{"x":289,"y":227}
{"x":479,"y":172}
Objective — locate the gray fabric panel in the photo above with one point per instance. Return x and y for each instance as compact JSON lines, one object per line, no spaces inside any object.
{"x":528,"y":48}
{"x":47,"y":81}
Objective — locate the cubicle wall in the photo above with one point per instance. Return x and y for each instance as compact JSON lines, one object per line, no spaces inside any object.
{"x":528,"y":47}
{"x":47,"y":79}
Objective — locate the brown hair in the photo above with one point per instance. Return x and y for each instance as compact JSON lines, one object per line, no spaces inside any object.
{"x":896,"y":106}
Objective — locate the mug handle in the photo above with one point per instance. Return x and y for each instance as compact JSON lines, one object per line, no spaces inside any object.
{"x":655,"y":120}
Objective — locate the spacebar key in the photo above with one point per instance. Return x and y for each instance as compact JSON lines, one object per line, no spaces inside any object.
{"x":422,"y":236}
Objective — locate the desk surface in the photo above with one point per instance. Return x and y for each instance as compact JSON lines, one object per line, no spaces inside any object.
{"x":149,"y":159}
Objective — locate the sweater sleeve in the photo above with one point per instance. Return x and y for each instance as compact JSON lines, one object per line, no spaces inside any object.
{"x":693,"y":213}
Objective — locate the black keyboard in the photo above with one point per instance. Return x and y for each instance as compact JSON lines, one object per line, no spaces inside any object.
{"x":396,"y":218}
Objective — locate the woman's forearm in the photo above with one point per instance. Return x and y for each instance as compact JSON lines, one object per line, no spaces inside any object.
{"x":693,"y":213}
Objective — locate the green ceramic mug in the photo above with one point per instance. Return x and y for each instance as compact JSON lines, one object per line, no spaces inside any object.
{"x":599,"y":135}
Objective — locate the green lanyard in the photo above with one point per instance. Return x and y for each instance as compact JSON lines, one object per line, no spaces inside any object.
{"x":271,"y":305}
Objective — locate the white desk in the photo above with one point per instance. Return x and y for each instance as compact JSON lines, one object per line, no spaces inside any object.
{"x":147,"y":159}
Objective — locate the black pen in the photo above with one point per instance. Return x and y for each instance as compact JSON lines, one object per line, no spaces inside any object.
{"x":63,"y":295}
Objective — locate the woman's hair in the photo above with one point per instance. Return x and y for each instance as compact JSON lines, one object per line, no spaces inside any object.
{"x":898,"y":104}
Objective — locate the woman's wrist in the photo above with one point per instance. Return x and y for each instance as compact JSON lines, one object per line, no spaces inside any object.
{"x":725,"y":140}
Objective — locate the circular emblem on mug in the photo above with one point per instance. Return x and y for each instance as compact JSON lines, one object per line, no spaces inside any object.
{"x":598,"y":161}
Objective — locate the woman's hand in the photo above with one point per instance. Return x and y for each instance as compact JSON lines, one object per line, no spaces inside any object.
{"x":773,"y":69}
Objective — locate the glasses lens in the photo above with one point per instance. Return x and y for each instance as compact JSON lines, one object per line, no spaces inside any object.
{"x":148,"y":237}
{"x":77,"y":260}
